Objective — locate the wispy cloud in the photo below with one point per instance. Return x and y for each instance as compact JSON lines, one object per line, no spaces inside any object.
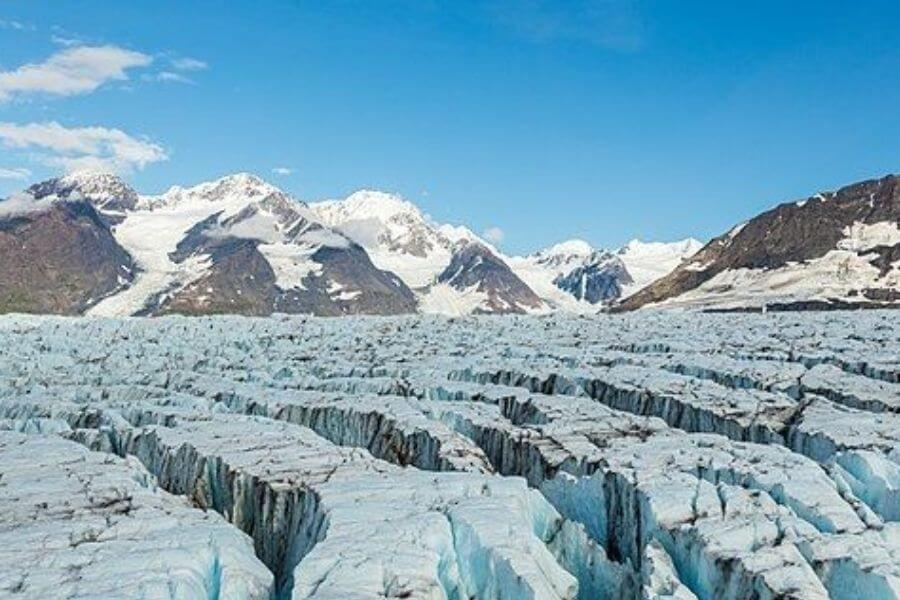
{"x":176,"y":69}
{"x":494,"y":235}
{"x":18,"y":173}
{"x":612,"y":24}
{"x":189,"y":64}
{"x":16,"y":25}
{"x":68,"y":42}
{"x":76,"y":148}
{"x":76,"y":70}
{"x":168,"y":77}
{"x":282,"y":171}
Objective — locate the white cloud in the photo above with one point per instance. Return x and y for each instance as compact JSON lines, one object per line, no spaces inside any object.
{"x":282,"y":170}
{"x":494,"y":235}
{"x":189,"y":64}
{"x":76,"y":70}
{"x":15,"y":173}
{"x":170,"y":77}
{"x":76,"y":148}
{"x":23,"y":203}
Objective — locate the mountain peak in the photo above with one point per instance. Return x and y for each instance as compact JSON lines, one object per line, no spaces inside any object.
{"x":105,"y":191}
{"x":235,"y":189}
{"x":573,"y":247}
{"x":368,"y":204}
{"x":684,"y":248}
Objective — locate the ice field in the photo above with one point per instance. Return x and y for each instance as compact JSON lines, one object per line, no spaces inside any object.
{"x":650,"y":455}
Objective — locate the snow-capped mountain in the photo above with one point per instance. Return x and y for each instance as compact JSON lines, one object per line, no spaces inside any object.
{"x":574,"y":276}
{"x":477,"y":281}
{"x":648,"y":261}
{"x":600,"y":278}
{"x":237,"y":245}
{"x":395,"y":233}
{"x":57,"y":255}
{"x":833,"y":250}
{"x":452,"y":270}
{"x":569,"y":276}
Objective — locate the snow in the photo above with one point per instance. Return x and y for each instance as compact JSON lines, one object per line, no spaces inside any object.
{"x":292,"y":264}
{"x":444,"y":299}
{"x":836,"y":275}
{"x":865,"y":236}
{"x":150,"y":235}
{"x":648,"y":261}
{"x":739,"y":228}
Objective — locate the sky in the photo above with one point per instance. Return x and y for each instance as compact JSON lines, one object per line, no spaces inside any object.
{"x":532,"y":121}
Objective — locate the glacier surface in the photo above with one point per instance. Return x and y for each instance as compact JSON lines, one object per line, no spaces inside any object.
{"x":652,"y":455}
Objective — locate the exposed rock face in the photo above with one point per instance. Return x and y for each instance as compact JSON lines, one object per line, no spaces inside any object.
{"x":600,"y":279}
{"x":60,"y":259}
{"x":659,"y":455}
{"x":837,"y":246}
{"x":474,"y":267}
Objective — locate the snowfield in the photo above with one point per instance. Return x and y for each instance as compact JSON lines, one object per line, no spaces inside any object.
{"x":650,"y":455}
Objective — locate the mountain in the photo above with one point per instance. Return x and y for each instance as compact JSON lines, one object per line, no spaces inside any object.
{"x":240,"y":245}
{"x":59,"y":256}
{"x":574,"y":276}
{"x":451,"y":269}
{"x":648,"y":261}
{"x":235,"y":245}
{"x":477,"y":281}
{"x":601,"y":278}
{"x":395,"y":234}
{"x":833,"y":250}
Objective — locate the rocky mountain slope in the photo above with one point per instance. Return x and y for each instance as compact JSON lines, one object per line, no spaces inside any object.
{"x":235,"y":245}
{"x":58,"y":256}
{"x":477,"y":281}
{"x":835,"y":249}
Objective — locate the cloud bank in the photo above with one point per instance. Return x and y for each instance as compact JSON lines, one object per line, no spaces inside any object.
{"x":76,"y":148}
{"x":71,"y":71}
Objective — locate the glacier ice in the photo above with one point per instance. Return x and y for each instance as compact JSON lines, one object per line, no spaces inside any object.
{"x":637,"y":456}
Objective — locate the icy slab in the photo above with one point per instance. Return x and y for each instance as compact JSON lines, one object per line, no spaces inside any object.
{"x":852,"y":390}
{"x":79,"y":524}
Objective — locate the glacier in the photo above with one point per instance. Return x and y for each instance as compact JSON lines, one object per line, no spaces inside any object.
{"x":651,"y":455}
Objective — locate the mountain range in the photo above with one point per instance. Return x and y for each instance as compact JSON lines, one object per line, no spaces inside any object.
{"x":87,"y":243}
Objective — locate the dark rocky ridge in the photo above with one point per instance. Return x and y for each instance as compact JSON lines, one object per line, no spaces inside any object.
{"x":791,"y":232}
{"x":475,"y":265}
{"x":61,"y":260}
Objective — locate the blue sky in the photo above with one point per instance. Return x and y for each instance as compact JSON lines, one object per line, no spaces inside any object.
{"x":600,"y":119}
